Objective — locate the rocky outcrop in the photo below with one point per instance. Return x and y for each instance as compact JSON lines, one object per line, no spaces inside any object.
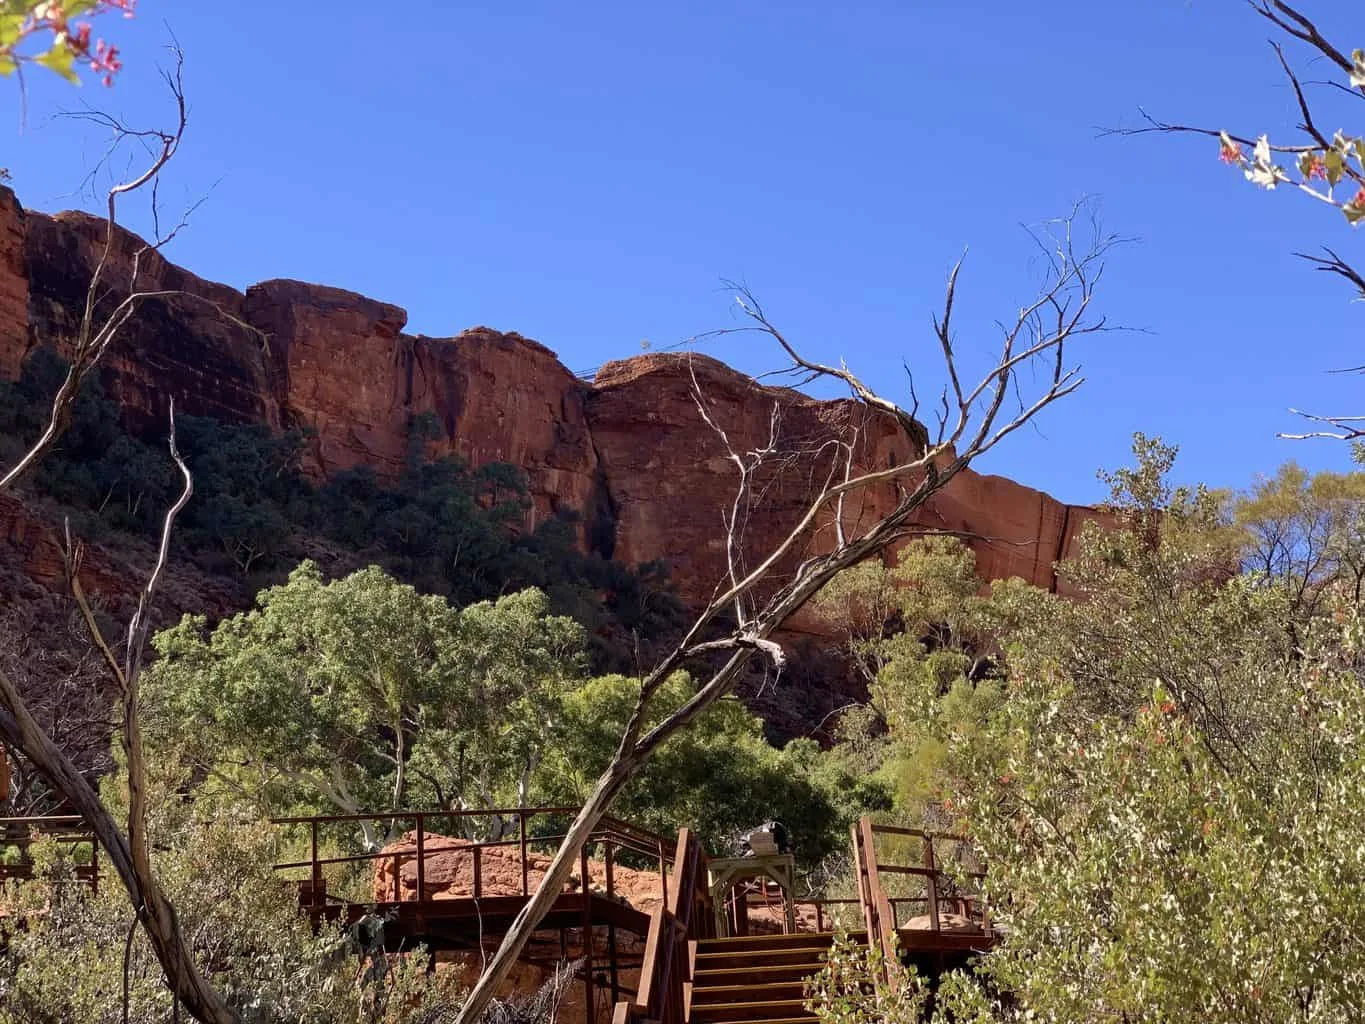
{"x":13,"y":285}
{"x":194,"y":347}
{"x":629,"y":450}
{"x":341,"y":368}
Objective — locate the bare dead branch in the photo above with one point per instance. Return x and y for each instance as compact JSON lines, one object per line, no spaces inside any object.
{"x":972,"y":422}
{"x":1345,"y":428}
{"x":1155,"y":126}
{"x":1298,"y":26}
{"x":1334,"y":264}
{"x":128,"y":849}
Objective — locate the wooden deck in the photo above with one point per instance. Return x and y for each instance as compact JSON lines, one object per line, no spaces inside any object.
{"x":915,"y":912}
{"x":461,"y":924}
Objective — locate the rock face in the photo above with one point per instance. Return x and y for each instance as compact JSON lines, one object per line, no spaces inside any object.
{"x":340,"y":366}
{"x":629,"y":450}
{"x":13,"y":285}
{"x":195,"y":348}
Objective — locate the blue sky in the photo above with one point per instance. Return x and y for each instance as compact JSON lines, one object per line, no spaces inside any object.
{"x":586,"y":174}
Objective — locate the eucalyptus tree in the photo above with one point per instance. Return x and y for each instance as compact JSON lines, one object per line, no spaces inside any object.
{"x":362,"y":694}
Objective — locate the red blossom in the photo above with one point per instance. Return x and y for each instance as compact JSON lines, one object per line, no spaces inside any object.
{"x":1316,"y":167}
{"x":1230,"y":153}
{"x":1359,"y":201}
{"x":106,"y":61}
{"x":79,"y":39}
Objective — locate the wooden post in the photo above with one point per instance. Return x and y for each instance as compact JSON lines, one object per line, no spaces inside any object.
{"x":880,"y":914}
{"x":590,"y":1011}
{"x":933,"y":882}
{"x":315,"y":876}
{"x":525,"y":867}
{"x":663,"y":873}
{"x":421,"y":859}
{"x":478,"y":871}
{"x":611,"y":880}
{"x":611,"y":958}
{"x":94,"y":862}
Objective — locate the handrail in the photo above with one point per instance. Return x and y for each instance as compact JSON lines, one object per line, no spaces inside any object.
{"x":674,"y":928}
{"x":879,"y":910}
{"x":615,"y":835}
{"x":69,"y":829}
{"x":878,"y":914}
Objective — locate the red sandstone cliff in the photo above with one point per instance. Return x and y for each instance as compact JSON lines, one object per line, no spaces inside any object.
{"x":628,"y":449}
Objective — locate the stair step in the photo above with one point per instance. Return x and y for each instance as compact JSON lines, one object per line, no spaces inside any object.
{"x":733,"y":1013}
{"x":710,"y":995}
{"x":755,"y":974}
{"x":795,"y":940}
{"x":744,"y":959}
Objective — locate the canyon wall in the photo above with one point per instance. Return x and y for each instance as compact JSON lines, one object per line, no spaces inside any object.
{"x":629,"y":450}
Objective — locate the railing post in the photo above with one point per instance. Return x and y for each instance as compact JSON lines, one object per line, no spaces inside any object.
{"x":933,"y":881}
{"x":879,"y":911}
{"x":94,"y":864}
{"x":864,"y":884}
{"x":663,"y":871}
{"x":315,"y":870}
{"x":611,"y":878}
{"x":590,"y":1011}
{"x":478,"y":871}
{"x":421,"y":858}
{"x":525,"y":865}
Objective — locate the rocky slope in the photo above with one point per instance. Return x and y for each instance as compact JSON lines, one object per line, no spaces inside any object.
{"x":628,"y":449}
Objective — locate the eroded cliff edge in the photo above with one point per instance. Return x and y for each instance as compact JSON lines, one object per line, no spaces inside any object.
{"x":628,"y":449}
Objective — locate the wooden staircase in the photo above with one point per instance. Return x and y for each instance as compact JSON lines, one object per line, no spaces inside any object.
{"x":691,"y":976}
{"x":756,"y":979}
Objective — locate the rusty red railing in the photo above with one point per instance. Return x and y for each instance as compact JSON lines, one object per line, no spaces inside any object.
{"x":670,"y":947}
{"x":437,"y":833}
{"x":881,"y":911}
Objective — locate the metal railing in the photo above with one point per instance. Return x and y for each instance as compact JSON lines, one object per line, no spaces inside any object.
{"x":19,"y":834}
{"x":612,"y":836}
{"x":674,"y":928}
{"x":881,"y":911}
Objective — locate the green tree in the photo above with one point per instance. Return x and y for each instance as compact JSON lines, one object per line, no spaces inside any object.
{"x":363,"y":694}
{"x":1166,"y":785}
{"x":1305,"y":535}
{"x":718,"y":778}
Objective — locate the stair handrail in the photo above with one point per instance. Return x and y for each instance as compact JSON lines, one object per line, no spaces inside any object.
{"x":674,"y":928}
{"x":878,"y":916}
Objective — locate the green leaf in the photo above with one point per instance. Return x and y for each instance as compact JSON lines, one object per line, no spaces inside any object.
{"x":61,"y":60}
{"x":8,"y":65}
{"x":1336,"y":166}
{"x":1355,"y":214}
{"x":1358,"y":69}
{"x":10,"y":25}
